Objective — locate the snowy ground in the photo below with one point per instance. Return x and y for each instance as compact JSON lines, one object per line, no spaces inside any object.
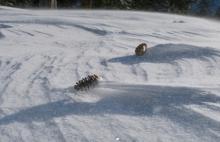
{"x":170,"y":94}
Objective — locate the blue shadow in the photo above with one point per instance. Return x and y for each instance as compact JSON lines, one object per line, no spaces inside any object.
{"x":169,"y":53}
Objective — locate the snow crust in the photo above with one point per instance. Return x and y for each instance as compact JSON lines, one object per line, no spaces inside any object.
{"x":170,"y":94}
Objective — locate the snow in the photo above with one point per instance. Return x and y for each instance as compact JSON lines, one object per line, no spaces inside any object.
{"x":170,"y":94}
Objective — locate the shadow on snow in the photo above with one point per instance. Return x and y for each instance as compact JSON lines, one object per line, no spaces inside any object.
{"x":170,"y":53}
{"x":131,"y":100}
{"x":58,"y":23}
{"x":1,"y":35}
{"x":3,"y":26}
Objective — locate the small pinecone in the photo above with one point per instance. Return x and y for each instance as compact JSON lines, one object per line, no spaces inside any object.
{"x":86,"y":83}
{"x":141,"y":49}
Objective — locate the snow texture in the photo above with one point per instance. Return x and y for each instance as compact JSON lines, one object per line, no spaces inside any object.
{"x":171,"y":94}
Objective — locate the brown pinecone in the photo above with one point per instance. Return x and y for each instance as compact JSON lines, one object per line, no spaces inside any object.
{"x":141,"y":49}
{"x":86,"y":83}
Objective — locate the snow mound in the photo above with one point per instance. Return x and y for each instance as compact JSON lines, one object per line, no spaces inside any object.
{"x":170,"y":53}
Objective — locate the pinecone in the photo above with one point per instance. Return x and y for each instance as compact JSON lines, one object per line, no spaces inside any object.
{"x":86,"y":83}
{"x":141,"y":49}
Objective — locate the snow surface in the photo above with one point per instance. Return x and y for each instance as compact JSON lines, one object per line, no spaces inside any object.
{"x":172,"y":94}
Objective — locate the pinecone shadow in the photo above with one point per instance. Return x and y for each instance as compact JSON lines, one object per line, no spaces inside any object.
{"x":131,"y":100}
{"x":169,"y":53}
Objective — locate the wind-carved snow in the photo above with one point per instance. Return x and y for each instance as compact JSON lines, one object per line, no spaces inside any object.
{"x":169,"y":94}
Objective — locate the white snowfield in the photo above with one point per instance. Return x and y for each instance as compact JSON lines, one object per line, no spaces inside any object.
{"x":171,"y":94}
